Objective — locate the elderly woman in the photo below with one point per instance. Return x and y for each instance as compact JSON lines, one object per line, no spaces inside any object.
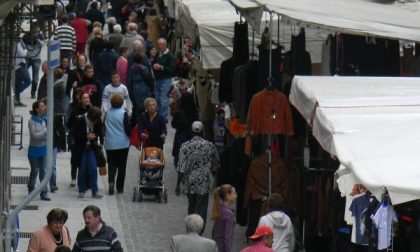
{"x":53,"y":234}
{"x":117,"y":142}
{"x":152,"y":126}
{"x":37,"y":150}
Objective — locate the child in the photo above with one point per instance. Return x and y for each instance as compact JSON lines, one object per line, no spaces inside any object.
{"x":150,"y":170}
{"x":223,"y":216}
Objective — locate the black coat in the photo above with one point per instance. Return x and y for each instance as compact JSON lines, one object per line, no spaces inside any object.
{"x":80,"y":140}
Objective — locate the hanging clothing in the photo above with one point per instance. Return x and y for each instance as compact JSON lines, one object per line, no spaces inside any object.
{"x":383,"y":219}
{"x":270,"y":113}
{"x":225,"y":81}
{"x":243,"y":84}
{"x":240,"y":54}
{"x":276,"y":67}
{"x":358,"y":209}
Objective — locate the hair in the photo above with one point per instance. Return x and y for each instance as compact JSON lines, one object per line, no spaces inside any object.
{"x":94,"y":5}
{"x":94,"y":209}
{"x":122,"y":50}
{"x":57,"y":214}
{"x":77,"y":94}
{"x":62,"y":248}
{"x":58,"y":73}
{"x":117,"y":101}
{"x":94,"y":114}
{"x":97,"y":24}
{"x":138,"y":58}
{"x":137,"y":43}
{"x":80,"y":14}
{"x":69,"y":8}
{"x":187,"y":103}
{"x":117,"y":28}
{"x":162,"y":40}
{"x":35,"y":106}
{"x":64,"y":18}
{"x":97,"y":32}
{"x":132,"y":26}
{"x":147,"y":100}
{"x":275,"y":202}
{"x":194,"y":223}
{"x":108,"y":45}
{"x":220,"y":195}
{"x":88,"y":67}
{"x":115,"y":73}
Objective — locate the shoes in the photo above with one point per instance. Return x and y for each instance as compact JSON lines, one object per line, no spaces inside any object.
{"x":53,"y":189}
{"x":20,"y":104}
{"x":45,"y":198}
{"x":97,"y":195}
{"x":120,"y":190}
{"x":81,"y":195}
{"x":73,"y":183}
{"x":111,"y":189}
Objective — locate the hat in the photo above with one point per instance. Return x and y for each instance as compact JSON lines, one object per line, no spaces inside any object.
{"x":260,"y":232}
{"x":197,"y":126}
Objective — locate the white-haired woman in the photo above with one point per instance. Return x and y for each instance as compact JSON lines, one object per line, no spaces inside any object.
{"x":152,"y":126}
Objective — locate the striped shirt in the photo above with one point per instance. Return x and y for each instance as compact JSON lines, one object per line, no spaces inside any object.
{"x":67,"y":37}
{"x":105,"y":240}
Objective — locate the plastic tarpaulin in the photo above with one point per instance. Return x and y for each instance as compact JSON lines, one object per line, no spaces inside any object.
{"x":384,"y":18}
{"x":371,"y":125}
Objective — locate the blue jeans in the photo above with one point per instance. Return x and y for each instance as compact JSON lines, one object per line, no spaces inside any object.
{"x":38,"y":165}
{"x":53,"y":179}
{"x":162,"y":88}
{"x":88,"y":170}
{"x":22,"y":79}
{"x":35,"y":64}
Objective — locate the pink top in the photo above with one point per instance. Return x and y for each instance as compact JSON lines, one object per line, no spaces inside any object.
{"x":257,"y":247}
{"x":122,"y":69}
{"x":42,"y":240}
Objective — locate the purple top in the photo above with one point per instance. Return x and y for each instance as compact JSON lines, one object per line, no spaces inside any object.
{"x":223,"y":229}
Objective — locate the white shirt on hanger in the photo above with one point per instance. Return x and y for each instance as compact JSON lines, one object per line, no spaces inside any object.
{"x":384,"y":217}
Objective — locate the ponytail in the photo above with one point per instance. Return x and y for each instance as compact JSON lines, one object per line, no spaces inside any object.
{"x":216,"y":205}
{"x":220,"y":194}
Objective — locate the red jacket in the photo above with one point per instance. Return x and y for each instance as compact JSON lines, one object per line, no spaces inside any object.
{"x":80,"y":26}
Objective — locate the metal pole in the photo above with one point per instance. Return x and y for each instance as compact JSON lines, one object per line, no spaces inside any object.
{"x":50,"y":122}
{"x":269,"y":84}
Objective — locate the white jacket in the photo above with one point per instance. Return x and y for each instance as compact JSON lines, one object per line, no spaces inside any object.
{"x":284,"y":236}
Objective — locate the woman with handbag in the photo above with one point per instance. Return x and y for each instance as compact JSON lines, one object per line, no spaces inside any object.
{"x":117,"y":142}
{"x":87,"y":130}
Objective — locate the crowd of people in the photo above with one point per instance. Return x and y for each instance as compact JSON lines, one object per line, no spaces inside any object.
{"x":106,"y":85}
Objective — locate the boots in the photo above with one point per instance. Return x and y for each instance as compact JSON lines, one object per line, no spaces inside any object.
{"x":111,"y":188}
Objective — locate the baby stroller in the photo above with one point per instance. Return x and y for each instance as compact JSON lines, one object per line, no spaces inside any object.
{"x":151,"y":176}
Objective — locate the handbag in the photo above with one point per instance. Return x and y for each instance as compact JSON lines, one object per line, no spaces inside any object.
{"x":100,"y":159}
{"x":135,"y":138}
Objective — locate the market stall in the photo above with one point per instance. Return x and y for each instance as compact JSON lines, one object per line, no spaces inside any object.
{"x":370,"y":124}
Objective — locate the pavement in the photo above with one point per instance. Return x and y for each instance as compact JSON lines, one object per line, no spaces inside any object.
{"x":141,"y":226}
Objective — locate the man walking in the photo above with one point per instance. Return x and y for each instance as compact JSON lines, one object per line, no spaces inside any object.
{"x":192,"y":242}
{"x":67,"y":37}
{"x":198,"y":160}
{"x":164,"y":70}
{"x":96,"y":236}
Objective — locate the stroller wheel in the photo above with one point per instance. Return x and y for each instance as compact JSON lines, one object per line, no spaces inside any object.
{"x":160,"y":197}
{"x":165,"y":196}
{"x":135,"y":193}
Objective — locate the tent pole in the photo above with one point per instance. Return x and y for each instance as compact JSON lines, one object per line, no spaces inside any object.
{"x":270,"y":79}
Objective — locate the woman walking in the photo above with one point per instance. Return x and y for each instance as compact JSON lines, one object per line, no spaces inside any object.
{"x":152,"y":126}
{"x":79,"y":107}
{"x":117,"y":142}
{"x":37,"y":151}
{"x":224,"y":219}
{"x":87,"y":130}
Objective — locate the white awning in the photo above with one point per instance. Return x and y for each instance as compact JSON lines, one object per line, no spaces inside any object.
{"x":372,"y":125}
{"x":389,"y":19}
